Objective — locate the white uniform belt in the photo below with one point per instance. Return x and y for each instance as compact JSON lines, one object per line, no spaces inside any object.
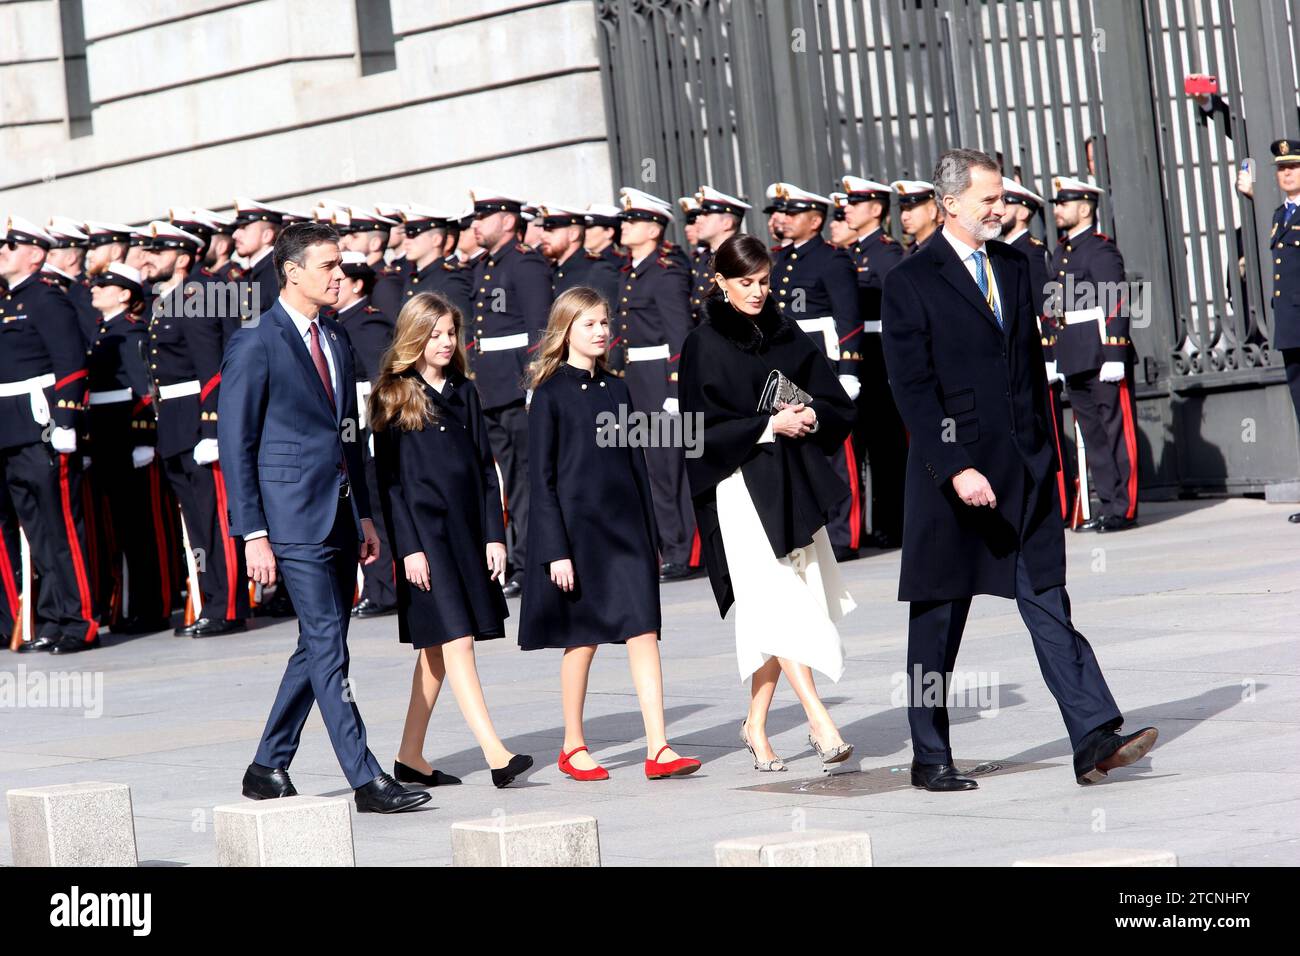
{"x":27,"y":386}
{"x":826,"y":326}
{"x":871,"y":325}
{"x":647,"y":353}
{"x":114,"y":397}
{"x":1084,"y":315}
{"x":179,"y":390}
{"x":499,"y":343}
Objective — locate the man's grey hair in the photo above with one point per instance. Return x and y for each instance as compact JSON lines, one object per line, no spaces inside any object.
{"x":952,"y":171}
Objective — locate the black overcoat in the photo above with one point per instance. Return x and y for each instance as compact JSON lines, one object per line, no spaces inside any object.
{"x":440,"y":495}
{"x":725,"y":362}
{"x":972,"y":396}
{"x":589,"y":501}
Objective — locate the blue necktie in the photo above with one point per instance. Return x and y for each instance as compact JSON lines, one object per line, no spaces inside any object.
{"x":982,"y":280}
{"x":1290,"y":210}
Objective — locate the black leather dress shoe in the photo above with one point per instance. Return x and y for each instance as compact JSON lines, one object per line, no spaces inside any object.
{"x":386,"y":795}
{"x":1294,"y":518}
{"x":141,"y":625}
{"x":675,"y":572}
{"x":1092,"y":524}
{"x":1115,"y":523}
{"x":42,"y":642}
{"x":514,"y":587}
{"x":73,"y":645}
{"x":1105,"y":750}
{"x":506,"y":775}
{"x":267,"y":783}
{"x":405,"y":774}
{"x":206,"y":627}
{"x":940,"y":778}
{"x":371,"y":608}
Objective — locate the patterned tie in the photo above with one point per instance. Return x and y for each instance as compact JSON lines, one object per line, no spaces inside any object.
{"x":318,"y":357}
{"x":982,"y":280}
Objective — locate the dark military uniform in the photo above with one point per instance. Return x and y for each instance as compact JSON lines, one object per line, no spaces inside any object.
{"x":815,"y":285}
{"x":1104,"y":410}
{"x":1284,"y":243}
{"x":583,"y":268}
{"x":43,"y":383}
{"x":701,"y":281}
{"x":446,"y":277}
{"x":879,"y":428}
{"x":653,"y":320}
{"x":390,"y":283}
{"x":187,"y":332}
{"x":79,"y":295}
{"x":512,"y":303}
{"x":260,"y":286}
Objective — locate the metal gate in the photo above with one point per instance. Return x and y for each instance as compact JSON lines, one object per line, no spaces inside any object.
{"x":741,"y":93}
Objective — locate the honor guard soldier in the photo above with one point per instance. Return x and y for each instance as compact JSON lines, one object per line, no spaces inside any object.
{"x":531,"y":215}
{"x":814,"y":285}
{"x":775,"y":212}
{"x":366,"y":232}
{"x":512,"y":302}
{"x":840,"y":234}
{"x":653,"y":318}
{"x":1284,"y":244}
{"x":219,"y":233}
{"x":65,"y":263}
{"x":371,"y":331}
{"x":256,"y":227}
{"x":604,"y":234}
{"x":430,"y":250}
{"x":137,"y":248}
{"x":562,"y":234}
{"x":720,"y":218}
{"x":42,"y":391}
{"x":699,"y":254}
{"x":392,"y":268}
{"x":879,"y":428}
{"x":467,"y":248}
{"x":1093,"y":351}
{"x":105,"y":242}
{"x":187,"y":333}
{"x":919,"y":214}
{"x":123,"y":445}
{"x":1023,"y":206}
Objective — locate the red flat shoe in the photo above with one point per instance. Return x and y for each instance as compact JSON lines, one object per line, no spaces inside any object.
{"x":596,"y":773}
{"x":654,"y":770}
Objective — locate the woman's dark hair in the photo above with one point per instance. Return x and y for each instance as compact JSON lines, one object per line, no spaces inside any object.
{"x":741,"y":255}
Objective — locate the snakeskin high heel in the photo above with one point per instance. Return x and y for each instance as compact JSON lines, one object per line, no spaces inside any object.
{"x":833,"y":756}
{"x":775,"y":765}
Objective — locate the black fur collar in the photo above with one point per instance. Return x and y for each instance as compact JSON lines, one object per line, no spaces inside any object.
{"x":748,"y":334}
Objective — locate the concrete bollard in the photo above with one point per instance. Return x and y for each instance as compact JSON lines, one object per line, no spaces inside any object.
{"x":1110,"y":857}
{"x":796,"y":848}
{"x":72,"y":824}
{"x":289,"y":831}
{"x":526,"y":839}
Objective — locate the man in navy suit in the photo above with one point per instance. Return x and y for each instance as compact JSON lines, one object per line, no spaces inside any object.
{"x":981,"y":517}
{"x":290,"y":443}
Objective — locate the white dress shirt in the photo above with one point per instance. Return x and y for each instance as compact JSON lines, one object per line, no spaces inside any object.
{"x":967,"y":256}
{"x":303,"y":324}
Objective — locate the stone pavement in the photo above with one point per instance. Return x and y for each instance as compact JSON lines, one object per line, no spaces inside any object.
{"x":1194,"y":616}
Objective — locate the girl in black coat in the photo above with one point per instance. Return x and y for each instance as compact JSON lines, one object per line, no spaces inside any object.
{"x":442,"y":506}
{"x":592,"y":573}
{"x":763,"y":492}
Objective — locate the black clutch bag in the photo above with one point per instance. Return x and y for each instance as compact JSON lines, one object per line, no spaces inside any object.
{"x":779,"y":391}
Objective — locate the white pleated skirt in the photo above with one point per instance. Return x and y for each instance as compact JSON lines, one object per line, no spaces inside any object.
{"x":785,"y":607}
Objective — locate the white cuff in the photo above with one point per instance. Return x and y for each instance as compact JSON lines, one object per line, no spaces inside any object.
{"x":254,"y":535}
{"x":767,"y":435}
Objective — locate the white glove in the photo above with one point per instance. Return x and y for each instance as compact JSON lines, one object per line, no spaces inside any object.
{"x":64,"y":440}
{"x":851,"y":385}
{"x":141,"y":455}
{"x":670,"y":406}
{"x":205,"y":452}
{"x":1111,"y":372}
{"x":1053,"y":376}
{"x":528,"y":398}
{"x":370,"y":442}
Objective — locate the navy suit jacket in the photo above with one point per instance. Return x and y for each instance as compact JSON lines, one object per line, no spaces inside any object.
{"x":281,"y":443}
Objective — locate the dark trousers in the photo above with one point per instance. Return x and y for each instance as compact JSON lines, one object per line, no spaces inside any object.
{"x":1063,"y":442}
{"x":42,"y":490}
{"x":135,"y":503}
{"x":1106,"y":415}
{"x":647,"y":384}
{"x":320,"y":579}
{"x":380,"y":586}
{"x":879,"y":431}
{"x":201,"y":492}
{"x":1065,"y":659}
{"x":844,"y":527}
{"x":508,"y":435}
{"x":1291,"y":359}
{"x":11,"y":568}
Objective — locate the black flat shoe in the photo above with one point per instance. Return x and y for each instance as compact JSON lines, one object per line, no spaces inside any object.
{"x":44,"y":642}
{"x":267,"y":783}
{"x":675,"y":572}
{"x":940,"y":778}
{"x":370,"y":608}
{"x":405,"y":774}
{"x":513,"y":588}
{"x":1294,"y":518}
{"x":205,"y":627}
{"x":386,"y":795}
{"x":1104,"y":751}
{"x":1092,"y":524}
{"x":73,"y":645}
{"x":506,"y":775}
{"x":1115,"y":523}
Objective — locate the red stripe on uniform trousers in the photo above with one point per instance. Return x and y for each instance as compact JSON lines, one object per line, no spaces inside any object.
{"x":694,"y":560}
{"x":1060,"y":458}
{"x":160,"y":539}
{"x":855,"y":495}
{"x":74,"y":549}
{"x":227,"y":542}
{"x":1130,"y":445}
{"x":7,"y":578}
